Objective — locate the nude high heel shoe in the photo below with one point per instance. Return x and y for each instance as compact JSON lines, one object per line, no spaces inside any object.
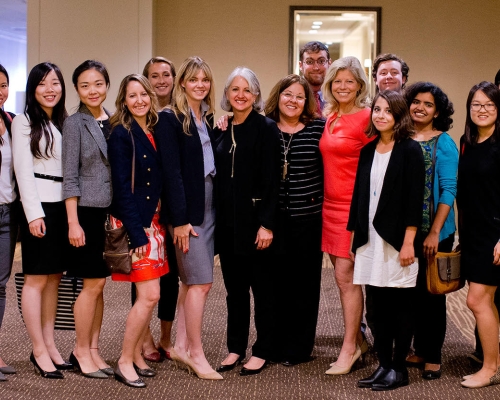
{"x":213,"y":375}
{"x":336,"y":370}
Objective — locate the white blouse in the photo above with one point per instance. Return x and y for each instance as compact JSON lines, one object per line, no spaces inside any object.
{"x":377,"y":262}
{"x":33,"y":190}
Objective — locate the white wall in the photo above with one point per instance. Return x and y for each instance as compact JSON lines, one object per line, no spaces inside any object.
{"x":117,"y":33}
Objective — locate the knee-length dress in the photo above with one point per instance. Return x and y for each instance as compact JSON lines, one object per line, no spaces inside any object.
{"x":340,"y":151}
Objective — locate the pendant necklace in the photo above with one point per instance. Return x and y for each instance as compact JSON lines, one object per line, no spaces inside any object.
{"x":99,"y":121}
{"x":233,"y":148}
{"x":286,"y":149}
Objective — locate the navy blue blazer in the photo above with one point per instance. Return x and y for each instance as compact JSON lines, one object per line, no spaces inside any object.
{"x":183,"y":169}
{"x":135,"y":210}
{"x":401,"y":200}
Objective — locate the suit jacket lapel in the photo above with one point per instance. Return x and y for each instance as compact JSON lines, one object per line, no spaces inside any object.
{"x":390,"y":179}
{"x":95,"y":131}
{"x":142,"y":138}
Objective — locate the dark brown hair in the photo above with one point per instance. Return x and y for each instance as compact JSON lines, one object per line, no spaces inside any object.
{"x":403,"y":125}
{"x":405,"y":69}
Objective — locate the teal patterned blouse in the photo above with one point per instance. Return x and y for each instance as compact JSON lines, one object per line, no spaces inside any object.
{"x":427,"y":148}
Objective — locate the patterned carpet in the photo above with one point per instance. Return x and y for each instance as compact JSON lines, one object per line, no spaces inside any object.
{"x":306,"y":381}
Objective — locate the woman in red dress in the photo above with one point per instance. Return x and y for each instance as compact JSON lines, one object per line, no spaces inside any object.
{"x":136,"y":205}
{"x":346,"y":91}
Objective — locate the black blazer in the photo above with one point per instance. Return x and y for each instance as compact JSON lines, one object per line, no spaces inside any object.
{"x":256,"y":176}
{"x":184,"y":174}
{"x":135,"y":210}
{"x":401,"y":200}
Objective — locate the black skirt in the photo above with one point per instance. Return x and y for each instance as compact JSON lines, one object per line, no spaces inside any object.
{"x":49,"y":254}
{"x":87,"y":261}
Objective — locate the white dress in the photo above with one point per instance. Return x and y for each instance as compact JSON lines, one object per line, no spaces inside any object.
{"x":377,"y":262}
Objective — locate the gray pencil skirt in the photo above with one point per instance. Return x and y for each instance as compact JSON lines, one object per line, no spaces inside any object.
{"x":197,"y":265}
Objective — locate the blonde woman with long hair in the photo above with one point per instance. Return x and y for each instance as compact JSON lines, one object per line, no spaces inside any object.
{"x":189,"y":168}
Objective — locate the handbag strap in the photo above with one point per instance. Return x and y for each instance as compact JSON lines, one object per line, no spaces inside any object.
{"x":431,"y":210}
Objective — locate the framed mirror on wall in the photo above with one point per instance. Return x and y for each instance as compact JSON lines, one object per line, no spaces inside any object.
{"x":346,"y":31}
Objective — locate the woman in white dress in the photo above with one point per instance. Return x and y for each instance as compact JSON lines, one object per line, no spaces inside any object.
{"x":385,"y":214}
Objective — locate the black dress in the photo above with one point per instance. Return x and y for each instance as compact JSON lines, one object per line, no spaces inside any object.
{"x":478,"y":200}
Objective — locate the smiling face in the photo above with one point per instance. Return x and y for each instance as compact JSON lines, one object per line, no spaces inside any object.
{"x":239,"y":95}
{"x":389,"y":76}
{"x":137,"y":101}
{"x":345,"y":87}
{"x":4,"y":89}
{"x":92,"y":89}
{"x":49,"y":92}
{"x":161,"y":78}
{"x":196,"y":88}
{"x":291,"y":102}
{"x":313,"y":66}
{"x":484,"y":119}
{"x":382,"y":116}
{"x":423,"y":109}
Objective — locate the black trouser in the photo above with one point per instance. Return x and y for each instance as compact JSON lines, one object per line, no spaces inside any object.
{"x":169,"y":285}
{"x":298,"y":282}
{"x":392,"y":316}
{"x":430,"y":312}
{"x":242,"y":273}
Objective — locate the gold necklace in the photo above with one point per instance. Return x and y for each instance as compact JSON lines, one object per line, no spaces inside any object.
{"x":286,"y":148}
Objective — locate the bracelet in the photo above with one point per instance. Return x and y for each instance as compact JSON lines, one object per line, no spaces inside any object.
{"x":270,"y":231}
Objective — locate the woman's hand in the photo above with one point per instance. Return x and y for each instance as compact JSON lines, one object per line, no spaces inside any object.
{"x":76,"y":235}
{"x":140,"y":252}
{"x":496,"y":254}
{"x":222,"y":122}
{"x":37,"y":228}
{"x":431,"y":243}
{"x":181,"y":236}
{"x":264,"y":238}
{"x":351,"y":254}
{"x":407,"y":255}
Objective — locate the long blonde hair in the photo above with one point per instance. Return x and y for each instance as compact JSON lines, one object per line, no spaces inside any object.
{"x":190,"y":68}
{"x":353,"y":65}
{"x":122,"y":115}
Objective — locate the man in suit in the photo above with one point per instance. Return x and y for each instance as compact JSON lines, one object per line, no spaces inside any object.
{"x":314,"y":60}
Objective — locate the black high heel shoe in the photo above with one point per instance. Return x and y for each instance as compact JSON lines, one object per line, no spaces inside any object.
{"x":45,"y":374}
{"x":138,"y":383}
{"x":65,"y":366}
{"x":230,"y":367}
{"x":247,"y":372}
{"x":96,"y":374}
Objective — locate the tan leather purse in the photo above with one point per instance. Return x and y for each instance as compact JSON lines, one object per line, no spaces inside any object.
{"x":443,"y":273}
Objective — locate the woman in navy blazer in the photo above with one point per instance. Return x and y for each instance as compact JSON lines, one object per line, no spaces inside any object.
{"x":384,"y":219}
{"x":136,"y":206}
{"x":189,"y":167}
{"x":87,"y":190}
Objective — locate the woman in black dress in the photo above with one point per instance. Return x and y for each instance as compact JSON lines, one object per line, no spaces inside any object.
{"x":87,"y":190}
{"x":298,"y":232}
{"x":478,"y":201}
{"x":247,"y":163}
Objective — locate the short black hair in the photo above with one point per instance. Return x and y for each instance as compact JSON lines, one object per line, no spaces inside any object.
{"x":313,"y":47}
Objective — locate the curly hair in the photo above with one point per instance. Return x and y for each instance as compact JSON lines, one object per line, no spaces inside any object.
{"x":403,"y":125}
{"x":444,"y":107}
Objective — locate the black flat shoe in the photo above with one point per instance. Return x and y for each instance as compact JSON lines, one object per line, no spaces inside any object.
{"x":379,"y":373}
{"x":247,"y":372}
{"x":65,"y":366}
{"x":138,"y":383}
{"x":392,"y":380}
{"x":431,"y":375}
{"x":96,"y":374}
{"x":295,"y":361}
{"x":108,"y":371}
{"x":45,"y":374}
{"x":230,"y":367}
{"x":8,"y":370}
{"x":146,"y":372}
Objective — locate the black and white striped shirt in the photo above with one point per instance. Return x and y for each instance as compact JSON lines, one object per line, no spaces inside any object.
{"x":301,"y":192}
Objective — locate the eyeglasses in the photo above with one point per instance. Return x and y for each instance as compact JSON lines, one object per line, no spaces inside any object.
{"x":321,"y":62}
{"x":487,"y":107}
{"x":289,"y":96}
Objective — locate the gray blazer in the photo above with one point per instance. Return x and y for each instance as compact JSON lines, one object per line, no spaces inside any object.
{"x":86,"y":170}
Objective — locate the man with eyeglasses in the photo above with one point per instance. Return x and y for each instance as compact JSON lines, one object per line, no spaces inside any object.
{"x":390,"y":72}
{"x":314,"y":60}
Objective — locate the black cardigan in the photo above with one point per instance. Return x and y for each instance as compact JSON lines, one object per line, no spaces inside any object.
{"x":401,"y":200}
{"x":256,"y":176}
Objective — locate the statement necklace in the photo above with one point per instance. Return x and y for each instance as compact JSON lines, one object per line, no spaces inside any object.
{"x":286,"y":149}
